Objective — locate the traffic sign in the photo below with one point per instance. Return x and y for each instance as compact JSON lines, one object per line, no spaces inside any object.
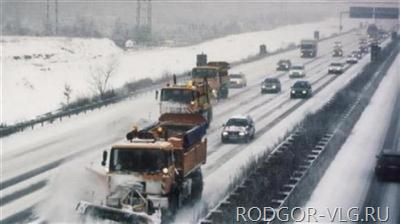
{"x":361,"y":12}
{"x":387,"y":13}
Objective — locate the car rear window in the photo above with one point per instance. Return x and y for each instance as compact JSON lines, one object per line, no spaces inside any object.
{"x":391,"y":159}
{"x":298,"y":67}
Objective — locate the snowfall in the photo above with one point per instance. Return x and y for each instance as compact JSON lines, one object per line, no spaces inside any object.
{"x":35,"y":70}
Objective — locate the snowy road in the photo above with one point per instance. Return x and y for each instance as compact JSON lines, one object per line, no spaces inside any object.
{"x":33,"y":157}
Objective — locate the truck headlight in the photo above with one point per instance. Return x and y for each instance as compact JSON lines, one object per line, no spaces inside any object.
{"x":242,"y":133}
{"x":165,"y":170}
{"x":304,"y":92}
{"x":274,"y":86}
{"x":224,"y":133}
{"x":293,"y":91}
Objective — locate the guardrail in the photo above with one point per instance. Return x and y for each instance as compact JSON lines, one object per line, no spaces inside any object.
{"x":60,"y":114}
{"x":287,"y":176}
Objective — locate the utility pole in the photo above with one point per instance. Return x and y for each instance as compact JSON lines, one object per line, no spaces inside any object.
{"x":56,"y":12}
{"x":340,"y":20}
{"x":47,"y":17}
{"x":144,"y":17}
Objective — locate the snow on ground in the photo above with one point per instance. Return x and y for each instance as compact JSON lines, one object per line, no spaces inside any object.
{"x":34,"y":86}
{"x":358,"y":152}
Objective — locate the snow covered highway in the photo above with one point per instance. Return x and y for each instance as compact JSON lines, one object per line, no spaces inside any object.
{"x":34,"y":160}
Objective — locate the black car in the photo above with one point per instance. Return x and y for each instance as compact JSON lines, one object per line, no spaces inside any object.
{"x":271,"y":85}
{"x":301,"y":89}
{"x":284,"y":65}
{"x":238,"y":129}
{"x":388,"y":166}
{"x":357,"y":54}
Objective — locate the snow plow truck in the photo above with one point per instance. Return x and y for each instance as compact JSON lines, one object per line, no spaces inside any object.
{"x":156,"y":170}
{"x":194,"y":97}
{"x":216,"y":74}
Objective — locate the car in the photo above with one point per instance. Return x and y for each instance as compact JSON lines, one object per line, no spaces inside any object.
{"x":238,"y":129}
{"x":271,"y":85}
{"x":297,"y":71}
{"x":301,"y":89}
{"x":388,"y":165}
{"x":337,"y":52}
{"x":336,"y":68}
{"x":357,"y":54}
{"x":337,"y":44}
{"x":237,"y":80}
{"x":284,"y":65}
{"x":351,"y":59}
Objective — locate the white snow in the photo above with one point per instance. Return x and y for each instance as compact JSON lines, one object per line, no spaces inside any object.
{"x":358,"y":153}
{"x":35,"y":86}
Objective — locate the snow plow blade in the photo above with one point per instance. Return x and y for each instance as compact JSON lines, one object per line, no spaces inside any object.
{"x":102,"y":212}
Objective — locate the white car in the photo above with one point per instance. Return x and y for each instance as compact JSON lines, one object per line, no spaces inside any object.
{"x":297,"y":71}
{"x":336,"y":68}
{"x":237,"y":81}
{"x":351,"y":59}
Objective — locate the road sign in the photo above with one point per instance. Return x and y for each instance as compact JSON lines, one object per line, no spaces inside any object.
{"x":374,"y":12}
{"x":361,"y":12}
{"x":387,"y":13}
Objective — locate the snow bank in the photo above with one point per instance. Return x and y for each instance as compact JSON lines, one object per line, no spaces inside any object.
{"x":36,"y":69}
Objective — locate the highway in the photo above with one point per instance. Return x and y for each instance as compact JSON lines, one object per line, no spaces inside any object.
{"x":55,"y":156}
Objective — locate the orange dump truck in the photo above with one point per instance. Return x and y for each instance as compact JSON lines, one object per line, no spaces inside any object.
{"x":189,"y":98}
{"x":158,"y":168}
{"x":216,"y":74}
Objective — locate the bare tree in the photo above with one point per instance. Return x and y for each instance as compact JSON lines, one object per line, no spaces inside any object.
{"x":101,"y":76}
{"x":67,"y":92}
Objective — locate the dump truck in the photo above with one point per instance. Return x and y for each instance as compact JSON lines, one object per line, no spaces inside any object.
{"x":188,"y":98}
{"x":216,"y":74}
{"x":156,"y":169}
{"x":308,"y":48}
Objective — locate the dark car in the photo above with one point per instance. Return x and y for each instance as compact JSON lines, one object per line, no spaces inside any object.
{"x":357,"y":54}
{"x":283,"y":65}
{"x":301,"y":89}
{"x":238,"y":129}
{"x":388,"y":166}
{"x":271,"y":85}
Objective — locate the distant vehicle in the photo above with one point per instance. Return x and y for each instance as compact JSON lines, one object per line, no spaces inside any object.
{"x":271,"y":85}
{"x":238,"y":129}
{"x":284,"y":65}
{"x":357,"y":54}
{"x":216,"y":74}
{"x":237,"y":81}
{"x":308,"y":48}
{"x":337,"y":52}
{"x":364,"y":49}
{"x":336,"y":68}
{"x":301,"y":89}
{"x":337,"y":44}
{"x":351,"y":59}
{"x":297,"y":71}
{"x":388,"y":165}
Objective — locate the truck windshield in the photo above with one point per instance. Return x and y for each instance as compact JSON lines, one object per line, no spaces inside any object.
{"x":177,"y":95}
{"x":307,"y":46}
{"x":138,"y":160}
{"x":204,"y":73}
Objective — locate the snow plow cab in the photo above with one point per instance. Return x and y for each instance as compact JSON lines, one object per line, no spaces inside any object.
{"x":157,"y":169}
{"x":216,"y":74}
{"x":191,"y":98}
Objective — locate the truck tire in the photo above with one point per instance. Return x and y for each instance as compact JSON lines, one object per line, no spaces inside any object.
{"x":197,"y":185}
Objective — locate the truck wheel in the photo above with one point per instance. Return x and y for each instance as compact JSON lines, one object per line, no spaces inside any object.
{"x":197,"y":185}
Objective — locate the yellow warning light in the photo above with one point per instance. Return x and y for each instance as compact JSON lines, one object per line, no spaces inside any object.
{"x":192,"y":102}
{"x":159,"y":129}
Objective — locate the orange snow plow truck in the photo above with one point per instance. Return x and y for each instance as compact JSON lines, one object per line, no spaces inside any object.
{"x":157,"y":169}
